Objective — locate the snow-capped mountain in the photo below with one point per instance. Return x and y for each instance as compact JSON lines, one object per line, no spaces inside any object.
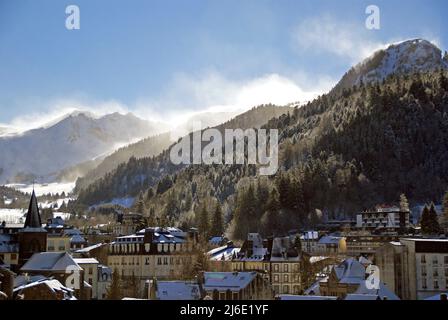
{"x":406,"y":57}
{"x":77,"y":137}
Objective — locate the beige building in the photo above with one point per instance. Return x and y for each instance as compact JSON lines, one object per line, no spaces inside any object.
{"x":414,"y":269}
{"x":366,"y":245}
{"x":153,"y":252}
{"x":285,"y":266}
{"x":58,"y":243}
{"x":90,"y":267}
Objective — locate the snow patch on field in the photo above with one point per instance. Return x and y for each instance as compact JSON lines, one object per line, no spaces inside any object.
{"x":12,"y":215}
{"x":48,"y":188}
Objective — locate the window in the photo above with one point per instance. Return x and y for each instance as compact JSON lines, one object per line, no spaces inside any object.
{"x":435,"y":260}
{"x":424,"y":285}
{"x":446,"y":272}
{"x":435,"y":273}
{"x":286,"y":278}
{"x":423,"y":270}
{"x":159,"y":261}
{"x":165,"y":261}
{"x":276,"y":267}
{"x":296,"y":290}
{"x":285,"y":268}
{"x":436,"y":284}
{"x":423,"y":258}
{"x":14,"y":256}
{"x":286,"y":289}
{"x":147,"y":261}
{"x":90,"y":270}
{"x":276,"y":278}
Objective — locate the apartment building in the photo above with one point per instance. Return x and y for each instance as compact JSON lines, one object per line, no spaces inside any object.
{"x":163,"y":253}
{"x":414,"y":268}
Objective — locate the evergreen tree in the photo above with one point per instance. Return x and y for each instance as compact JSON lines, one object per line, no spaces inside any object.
{"x":217,"y":221}
{"x":424,"y":220}
{"x":204,"y":223}
{"x":434,"y":220}
{"x":272,"y":222}
{"x":149,"y":194}
{"x":429,"y":220}
{"x":140,"y":205}
{"x":133,"y":286}
{"x":114,"y":292}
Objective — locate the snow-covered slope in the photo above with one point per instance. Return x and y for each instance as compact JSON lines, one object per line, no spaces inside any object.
{"x":41,"y":153}
{"x":406,"y":57}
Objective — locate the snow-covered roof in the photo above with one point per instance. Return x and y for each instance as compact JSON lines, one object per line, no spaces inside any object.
{"x":233,"y":281}
{"x":224,"y":253}
{"x":72,"y":232}
{"x":437,"y":297}
{"x":86,"y":261}
{"x":329,"y":240}
{"x":314,"y":289}
{"x":7,"y":245}
{"x":77,"y":239}
{"x":355,"y":296}
{"x":22,"y":280}
{"x":350,"y":271}
{"x":177,"y":290}
{"x":50,"y":261}
{"x":216,"y":240}
{"x":53,"y":284}
{"x":89,"y":248}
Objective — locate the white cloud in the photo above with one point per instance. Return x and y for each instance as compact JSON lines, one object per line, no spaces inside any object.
{"x":56,"y":109}
{"x":344,"y":39}
{"x":187,"y":96}
{"x":212,"y":92}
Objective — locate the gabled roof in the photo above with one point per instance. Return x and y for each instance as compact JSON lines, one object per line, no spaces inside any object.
{"x":350,"y":271}
{"x":33,"y":216}
{"x":52,"y":284}
{"x":222,"y":281}
{"x":50,"y":261}
{"x":178,"y":290}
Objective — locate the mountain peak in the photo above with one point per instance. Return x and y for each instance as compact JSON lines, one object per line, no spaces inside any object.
{"x":406,"y":57}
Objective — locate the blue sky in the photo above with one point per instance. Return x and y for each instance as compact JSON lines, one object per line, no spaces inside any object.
{"x":160,"y":58}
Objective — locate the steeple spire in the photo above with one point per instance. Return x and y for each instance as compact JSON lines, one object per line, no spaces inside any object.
{"x":33,"y":215}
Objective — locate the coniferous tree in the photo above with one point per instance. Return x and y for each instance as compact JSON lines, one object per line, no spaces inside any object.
{"x":149,"y":194}
{"x":434,"y":220}
{"x":140,"y":205}
{"x":424,"y":220}
{"x":272,"y":221}
{"x":429,"y":221}
{"x":217,"y":221}
{"x":204,"y":223}
{"x":115,"y":292}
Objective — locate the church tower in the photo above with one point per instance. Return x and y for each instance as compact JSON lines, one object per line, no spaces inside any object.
{"x":32,"y":238}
